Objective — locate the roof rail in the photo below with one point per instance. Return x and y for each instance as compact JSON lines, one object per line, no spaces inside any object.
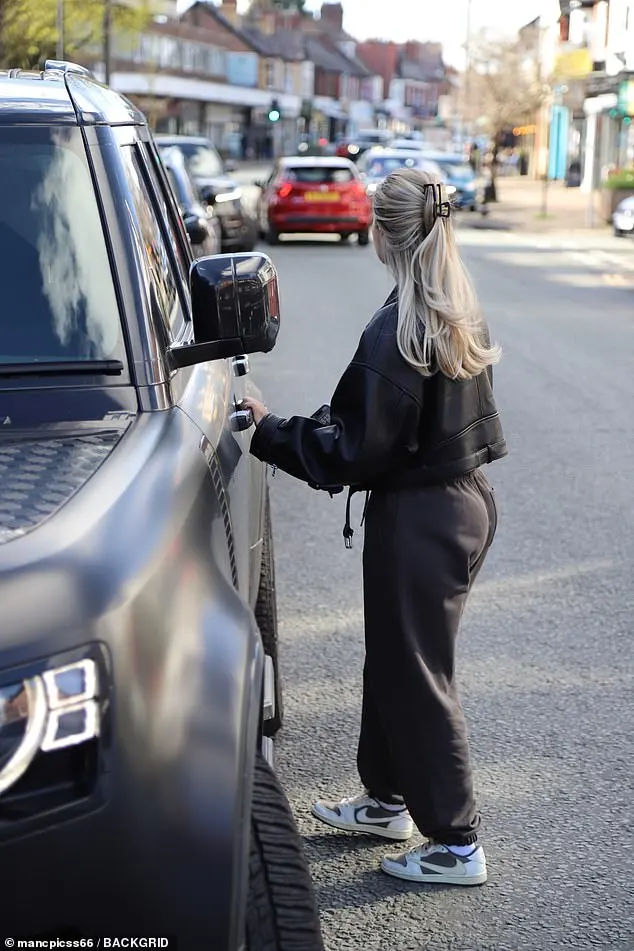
{"x":61,"y":66}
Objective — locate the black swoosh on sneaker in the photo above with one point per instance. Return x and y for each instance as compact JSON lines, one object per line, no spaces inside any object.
{"x":377,"y":812}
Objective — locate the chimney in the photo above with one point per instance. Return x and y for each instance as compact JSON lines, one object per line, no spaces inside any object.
{"x":332,"y":15}
{"x":229,"y":10}
{"x":268,"y":24}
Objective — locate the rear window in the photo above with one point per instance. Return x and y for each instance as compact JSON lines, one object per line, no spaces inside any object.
{"x":58,"y":298}
{"x":318,"y":175}
{"x":382,"y":167}
{"x":460,"y":170}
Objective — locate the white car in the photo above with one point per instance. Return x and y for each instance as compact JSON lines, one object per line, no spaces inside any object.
{"x":623,"y":217}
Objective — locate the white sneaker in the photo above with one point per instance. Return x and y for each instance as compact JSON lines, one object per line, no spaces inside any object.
{"x":437,"y":863}
{"x":365,"y":814}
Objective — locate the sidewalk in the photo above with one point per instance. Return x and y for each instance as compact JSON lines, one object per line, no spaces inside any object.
{"x":520,"y":208}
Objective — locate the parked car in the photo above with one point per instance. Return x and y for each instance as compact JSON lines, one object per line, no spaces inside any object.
{"x":457,"y":172}
{"x":216,"y":188}
{"x":139,"y":682}
{"x":314,"y":196}
{"x":201,"y":222}
{"x":408,"y":142}
{"x":377,"y":164}
{"x":353,"y":147}
{"x":623,"y":218}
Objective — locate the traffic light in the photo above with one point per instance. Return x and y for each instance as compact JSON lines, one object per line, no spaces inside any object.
{"x":275,"y":113}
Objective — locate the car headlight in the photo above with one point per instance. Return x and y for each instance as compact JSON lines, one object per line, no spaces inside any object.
{"x":234,"y":195}
{"x":56,"y":709}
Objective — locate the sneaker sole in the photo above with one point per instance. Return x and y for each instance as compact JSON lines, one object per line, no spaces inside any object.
{"x":395,"y":836}
{"x":436,"y":879}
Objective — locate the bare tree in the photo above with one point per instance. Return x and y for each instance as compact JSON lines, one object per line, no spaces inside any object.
{"x":506,"y":89}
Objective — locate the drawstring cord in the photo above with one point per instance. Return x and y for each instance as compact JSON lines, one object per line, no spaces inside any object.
{"x":348,"y":531}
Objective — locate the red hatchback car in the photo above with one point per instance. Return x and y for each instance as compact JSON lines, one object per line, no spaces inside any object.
{"x":315,"y":196}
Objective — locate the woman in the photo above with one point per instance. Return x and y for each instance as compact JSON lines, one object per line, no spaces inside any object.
{"x":411,"y":422}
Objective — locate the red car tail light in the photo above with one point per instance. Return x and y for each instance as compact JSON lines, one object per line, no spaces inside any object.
{"x":354,"y":191}
{"x":284,"y":190}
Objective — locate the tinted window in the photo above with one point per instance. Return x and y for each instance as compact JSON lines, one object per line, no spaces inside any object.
{"x":318,"y":175}
{"x":202,"y":160}
{"x":175,"y":186}
{"x":58,"y":299}
{"x":458,"y":170}
{"x":382,"y":167}
{"x":162,"y":283}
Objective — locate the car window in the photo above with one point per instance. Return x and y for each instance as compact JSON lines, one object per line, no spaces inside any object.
{"x":318,"y":175}
{"x":58,"y":294}
{"x":459,"y":170}
{"x":202,"y":160}
{"x":384,"y":166}
{"x":171,"y":218}
{"x":162,"y":277}
{"x":175,"y":186}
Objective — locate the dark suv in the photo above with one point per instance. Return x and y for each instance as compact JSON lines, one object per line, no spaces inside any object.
{"x":137,"y":692}
{"x":216,"y":188}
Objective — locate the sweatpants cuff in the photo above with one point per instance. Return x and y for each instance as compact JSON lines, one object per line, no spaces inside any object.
{"x":389,"y":800}
{"x":456,"y":839}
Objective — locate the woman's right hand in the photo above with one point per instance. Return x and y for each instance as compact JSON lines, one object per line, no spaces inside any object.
{"x":258,"y":409}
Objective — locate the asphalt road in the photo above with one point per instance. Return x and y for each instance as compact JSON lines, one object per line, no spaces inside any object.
{"x":546,"y":660}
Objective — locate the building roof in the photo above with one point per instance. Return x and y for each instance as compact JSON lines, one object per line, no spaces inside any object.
{"x":331,"y":59}
{"x":283,"y":44}
{"x":410,"y":69}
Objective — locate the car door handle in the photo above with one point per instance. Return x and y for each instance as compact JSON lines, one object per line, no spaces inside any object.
{"x":240,"y":420}
{"x":241,"y":365}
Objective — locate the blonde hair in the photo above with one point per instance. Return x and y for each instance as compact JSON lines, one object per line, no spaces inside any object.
{"x":439,"y":319}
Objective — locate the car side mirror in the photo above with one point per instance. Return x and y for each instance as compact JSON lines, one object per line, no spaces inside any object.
{"x":196,"y":228}
{"x":235,"y":308}
{"x":208,"y":195}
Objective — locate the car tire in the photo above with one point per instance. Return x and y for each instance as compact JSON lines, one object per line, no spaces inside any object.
{"x":272,"y":236}
{"x":266,"y":618}
{"x":364,"y":238}
{"x":282,"y":910}
{"x":344,"y":238}
{"x":618,"y":233}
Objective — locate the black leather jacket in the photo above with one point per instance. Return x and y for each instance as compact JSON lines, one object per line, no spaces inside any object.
{"x":390,"y":427}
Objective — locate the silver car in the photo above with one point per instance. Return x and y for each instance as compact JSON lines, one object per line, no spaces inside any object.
{"x":623,"y":217}
{"x":376,"y":164}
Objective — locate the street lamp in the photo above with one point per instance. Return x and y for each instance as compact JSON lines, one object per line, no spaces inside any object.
{"x":107,"y":32}
{"x":60,"y":29}
{"x":467,"y":80}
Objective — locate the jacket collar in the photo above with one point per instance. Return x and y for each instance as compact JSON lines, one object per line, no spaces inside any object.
{"x":393,"y":297}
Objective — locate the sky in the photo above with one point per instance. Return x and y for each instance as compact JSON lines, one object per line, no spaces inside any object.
{"x":440,"y":20}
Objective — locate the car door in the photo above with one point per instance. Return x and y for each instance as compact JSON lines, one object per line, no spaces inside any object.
{"x":209,"y":393}
{"x":265,"y":198}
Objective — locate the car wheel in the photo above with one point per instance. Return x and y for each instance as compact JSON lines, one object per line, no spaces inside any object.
{"x":618,"y":233}
{"x":272,"y":236}
{"x":281,"y":906}
{"x":364,"y":238}
{"x":344,"y":238}
{"x":266,"y":618}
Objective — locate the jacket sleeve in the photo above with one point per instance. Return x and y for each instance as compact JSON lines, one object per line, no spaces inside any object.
{"x":374,"y":428}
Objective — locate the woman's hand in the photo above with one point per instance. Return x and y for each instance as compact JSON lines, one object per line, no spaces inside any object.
{"x":258,"y":409}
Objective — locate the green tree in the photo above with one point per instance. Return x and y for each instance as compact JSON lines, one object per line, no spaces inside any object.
{"x":29,"y":28}
{"x":298,"y":6}
{"x":290,"y":5}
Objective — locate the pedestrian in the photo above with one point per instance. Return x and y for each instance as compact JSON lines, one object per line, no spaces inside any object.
{"x":411,"y":422}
